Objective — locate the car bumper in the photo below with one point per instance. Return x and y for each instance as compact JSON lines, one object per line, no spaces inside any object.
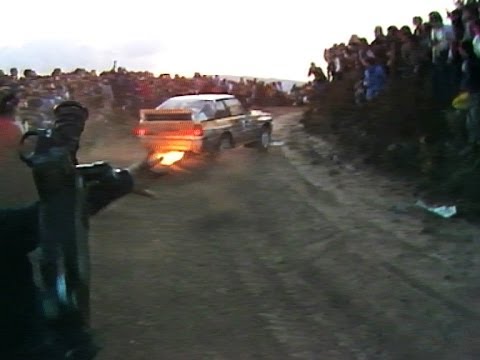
{"x":158,"y":144}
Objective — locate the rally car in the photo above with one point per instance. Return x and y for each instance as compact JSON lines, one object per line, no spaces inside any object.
{"x":204,"y":123}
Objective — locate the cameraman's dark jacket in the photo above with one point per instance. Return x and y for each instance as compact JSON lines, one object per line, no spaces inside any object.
{"x":19,"y":236}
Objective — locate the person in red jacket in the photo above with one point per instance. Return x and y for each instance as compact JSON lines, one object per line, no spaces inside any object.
{"x":10,"y":132}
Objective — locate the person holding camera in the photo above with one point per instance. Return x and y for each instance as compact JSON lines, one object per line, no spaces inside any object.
{"x":24,"y":333}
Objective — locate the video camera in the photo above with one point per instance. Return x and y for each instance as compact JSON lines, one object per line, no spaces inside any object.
{"x":63,"y":217}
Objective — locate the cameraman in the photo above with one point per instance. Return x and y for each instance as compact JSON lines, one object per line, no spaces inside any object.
{"x":22,"y":329}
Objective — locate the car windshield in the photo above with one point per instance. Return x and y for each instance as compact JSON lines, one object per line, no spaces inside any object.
{"x":201,"y":109}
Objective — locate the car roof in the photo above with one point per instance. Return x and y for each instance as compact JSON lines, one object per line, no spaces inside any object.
{"x":206,"y":97}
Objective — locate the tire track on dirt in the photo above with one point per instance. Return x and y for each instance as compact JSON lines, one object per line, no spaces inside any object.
{"x":300,"y":325}
{"x":248,"y":260}
{"x":394,"y":235}
{"x":377,"y":306}
{"x":391,"y":252}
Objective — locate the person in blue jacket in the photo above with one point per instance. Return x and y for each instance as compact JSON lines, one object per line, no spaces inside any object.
{"x":374,"y":80}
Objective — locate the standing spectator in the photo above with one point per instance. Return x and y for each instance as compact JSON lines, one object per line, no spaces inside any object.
{"x":107,"y":93}
{"x":327,"y":55}
{"x":14,"y":74}
{"x":442,"y":37}
{"x":471,"y":84}
{"x":394,"y":50}
{"x":319,"y":77}
{"x":458,"y":25}
{"x":469,"y":14}
{"x":374,"y":80}
{"x":317,"y":72}
{"x":418,"y":26}
{"x":338,"y":64}
{"x":476,"y":37}
{"x":380,"y":37}
{"x":413,"y":55}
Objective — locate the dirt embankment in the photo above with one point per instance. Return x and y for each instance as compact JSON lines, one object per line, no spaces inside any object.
{"x":406,"y":134}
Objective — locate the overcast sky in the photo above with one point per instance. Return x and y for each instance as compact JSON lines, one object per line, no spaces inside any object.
{"x":259,"y":38}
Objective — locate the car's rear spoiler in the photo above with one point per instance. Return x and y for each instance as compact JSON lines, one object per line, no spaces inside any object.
{"x":165,"y":115}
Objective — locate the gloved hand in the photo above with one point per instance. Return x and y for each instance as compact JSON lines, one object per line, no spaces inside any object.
{"x":140,"y":171}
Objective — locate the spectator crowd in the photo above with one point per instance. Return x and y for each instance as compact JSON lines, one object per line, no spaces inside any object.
{"x":124,"y":90}
{"x":446,"y":54}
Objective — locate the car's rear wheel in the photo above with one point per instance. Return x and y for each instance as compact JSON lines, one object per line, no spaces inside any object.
{"x":263,"y":144}
{"x":226,"y":142}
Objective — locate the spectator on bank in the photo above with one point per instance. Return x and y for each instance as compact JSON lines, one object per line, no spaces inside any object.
{"x":14,"y":74}
{"x":418,"y":26}
{"x":471,"y":84}
{"x":458,"y":26}
{"x":338,"y":60}
{"x":319,"y":77}
{"x":394,"y":50}
{"x":329,"y":59}
{"x":374,"y":80}
{"x":413,"y":54}
{"x":442,"y":37}
{"x":380,"y":38}
{"x":476,"y":37}
{"x":469,"y":15}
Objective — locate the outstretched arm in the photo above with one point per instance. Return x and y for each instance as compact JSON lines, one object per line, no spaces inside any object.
{"x":112,"y":187}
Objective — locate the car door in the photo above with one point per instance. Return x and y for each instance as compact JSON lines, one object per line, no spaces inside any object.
{"x":251,"y":127}
{"x":222,"y":122}
{"x":238,"y":120}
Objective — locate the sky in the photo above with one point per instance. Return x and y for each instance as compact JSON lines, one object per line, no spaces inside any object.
{"x":263,"y":38}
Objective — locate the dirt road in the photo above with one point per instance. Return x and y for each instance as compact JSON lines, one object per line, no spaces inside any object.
{"x":293,"y":254}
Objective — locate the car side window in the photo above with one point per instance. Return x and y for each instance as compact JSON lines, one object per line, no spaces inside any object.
{"x":220,"y":109}
{"x":235,"y":107}
{"x":209,"y":110}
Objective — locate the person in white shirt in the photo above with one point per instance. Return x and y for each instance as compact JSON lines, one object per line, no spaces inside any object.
{"x":442,"y":38}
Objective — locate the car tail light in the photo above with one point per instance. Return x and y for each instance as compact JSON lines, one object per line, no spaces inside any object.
{"x":139,"y":132}
{"x":197,"y":130}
